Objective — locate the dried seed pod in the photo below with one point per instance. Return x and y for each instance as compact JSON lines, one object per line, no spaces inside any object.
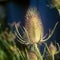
{"x":33,"y":25}
{"x":52,"y":49}
{"x":33,"y":31}
{"x":32,"y":56}
{"x":56,"y":3}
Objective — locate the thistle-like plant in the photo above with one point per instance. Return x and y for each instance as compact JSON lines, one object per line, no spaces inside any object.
{"x":54,"y":3}
{"x":52,"y":50}
{"x":33,"y":33}
{"x":33,"y":30}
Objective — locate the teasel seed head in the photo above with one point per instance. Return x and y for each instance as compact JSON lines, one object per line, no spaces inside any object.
{"x":33,"y":25}
{"x":56,"y":3}
{"x":32,"y":56}
{"x":52,"y":49}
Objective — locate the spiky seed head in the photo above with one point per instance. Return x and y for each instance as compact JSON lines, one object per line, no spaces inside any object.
{"x":52,"y":49}
{"x":33,"y":25}
{"x":56,"y":3}
{"x":32,"y":56}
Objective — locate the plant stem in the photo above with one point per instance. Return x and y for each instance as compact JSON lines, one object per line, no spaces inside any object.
{"x":38,"y":53}
{"x":52,"y":57}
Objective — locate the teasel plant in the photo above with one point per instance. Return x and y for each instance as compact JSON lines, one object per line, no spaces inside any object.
{"x":54,"y":4}
{"x":52,"y":50}
{"x":33,"y":32}
{"x":33,"y":29}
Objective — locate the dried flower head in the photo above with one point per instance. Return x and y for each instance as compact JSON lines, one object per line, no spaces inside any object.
{"x":56,"y":3}
{"x":52,"y":49}
{"x":8,"y":35}
{"x":32,"y":56}
{"x":33,"y":30}
{"x":33,"y":25}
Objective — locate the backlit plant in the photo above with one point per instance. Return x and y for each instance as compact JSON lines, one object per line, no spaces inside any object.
{"x":32,"y":34}
{"x":33,"y":31}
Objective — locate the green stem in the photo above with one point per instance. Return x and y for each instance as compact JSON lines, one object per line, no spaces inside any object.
{"x":52,"y":57}
{"x":38,"y":53}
